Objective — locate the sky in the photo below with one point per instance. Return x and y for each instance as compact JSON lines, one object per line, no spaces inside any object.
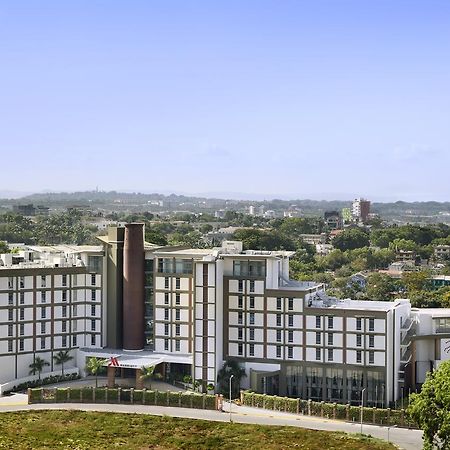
{"x":277,"y":99}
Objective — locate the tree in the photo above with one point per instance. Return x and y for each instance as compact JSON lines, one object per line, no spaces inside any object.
{"x":350,"y":239}
{"x":147,"y":373}
{"x":230,"y":367}
{"x":380,"y":287}
{"x":38,"y":366}
{"x":4,"y":247}
{"x":61,"y":358}
{"x":430,"y":408}
{"x":94,"y":366}
{"x":415,"y":281}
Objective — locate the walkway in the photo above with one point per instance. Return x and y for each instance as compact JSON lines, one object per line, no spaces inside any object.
{"x":404,"y":438}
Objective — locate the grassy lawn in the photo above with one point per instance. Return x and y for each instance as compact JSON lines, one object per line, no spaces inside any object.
{"x":77,"y":430}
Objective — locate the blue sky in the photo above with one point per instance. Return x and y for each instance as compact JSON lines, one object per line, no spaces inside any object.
{"x":302,"y":99}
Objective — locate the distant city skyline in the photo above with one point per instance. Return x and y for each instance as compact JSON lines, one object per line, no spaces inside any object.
{"x":257,"y":99}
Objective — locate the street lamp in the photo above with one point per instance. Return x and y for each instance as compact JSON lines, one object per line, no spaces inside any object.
{"x":231,"y":378}
{"x":362,"y":407}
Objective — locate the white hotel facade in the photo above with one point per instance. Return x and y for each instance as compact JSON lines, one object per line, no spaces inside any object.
{"x":204,"y":306}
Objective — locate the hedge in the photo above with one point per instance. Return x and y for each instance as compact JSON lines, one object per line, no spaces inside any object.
{"x":328,"y":410}
{"x":43,"y":382}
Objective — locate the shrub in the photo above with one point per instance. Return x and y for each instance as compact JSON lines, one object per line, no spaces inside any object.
{"x":113,"y":395}
{"x":315,"y":408}
{"x":328,"y":410}
{"x":292,"y":405}
{"x":210,"y":402}
{"x":186,"y":400}
{"x":355,"y":413}
{"x":61,"y":395}
{"x":258,"y":400}
{"x":35,"y":396}
{"x":197,"y":401}
{"x":149,"y":397}
{"x":100,"y":394}
{"x":174,"y":398}
{"x":87,"y":394}
{"x":381,"y":416}
{"x":341,"y":412}
{"x":270,"y":401}
{"x":75,"y":394}
{"x":125,"y":396}
{"x":137,"y":396}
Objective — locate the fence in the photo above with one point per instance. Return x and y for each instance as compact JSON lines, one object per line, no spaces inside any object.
{"x":376,"y":416}
{"x":124,"y":396}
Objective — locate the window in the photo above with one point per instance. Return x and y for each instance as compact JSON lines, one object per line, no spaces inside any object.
{"x":317,"y":321}
{"x":252,"y":334}
{"x":252,"y":318}
{"x":10,"y":314}
{"x":22,"y":298}
{"x":10,"y":345}
{"x":251,"y":349}
{"x":166,"y":313}
{"x":330,"y":338}
{"x":22,"y":313}
{"x":74,"y":325}
{"x":93,"y":295}
{"x":240,"y":349}
{"x":317,"y":354}
{"x":74,"y":310}
{"x":177,"y":314}
{"x":43,"y":331}
{"x":177,"y":329}
{"x":291,"y":304}
{"x":177,"y":283}
{"x":177,"y":299}
{"x":43,"y":297}
{"x":278,"y":303}
{"x":64,"y":311}
{"x":92,"y":310}
{"x":166,"y":298}
{"x":278,"y":351}
{"x":93,"y":281}
{"x":166,"y":329}
{"x":371,"y":341}
{"x":74,"y":341}
{"x":240,"y":302}
{"x":43,"y":281}
{"x":22,"y":329}
{"x":371,"y":324}
{"x":290,"y":352}
{"x":359,"y":340}
{"x":252,"y":302}
{"x":330,"y":323}
{"x":358,"y":356}
{"x":240,"y":334}
{"x":177,"y":345}
{"x":21,"y":345}
{"x":64,"y":280}
{"x":330,"y":354}
{"x":42,"y":343}
{"x":166,"y":282}
{"x":10,"y":298}
{"x":22,"y":282}
{"x":74,"y":295}
{"x":278,"y":335}
{"x":92,"y":325}
{"x":317,"y":337}
{"x":290,"y":336}
{"x":278,"y":320}
{"x":10,"y":329}
{"x":240,"y":286}
{"x":371,"y":357}
{"x":358,"y":323}
{"x":64,"y":296}
{"x":252,"y":286}
{"x":10,"y":283}
{"x":290,"y":320}
{"x":240,"y":318}
{"x":166,"y":344}
{"x":64,"y":341}
{"x":64,"y":326}
{"x":92,"y":339}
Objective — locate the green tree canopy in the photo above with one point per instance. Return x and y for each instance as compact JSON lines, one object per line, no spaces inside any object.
{"x":350,"y":239}
{"x":431,"y":408}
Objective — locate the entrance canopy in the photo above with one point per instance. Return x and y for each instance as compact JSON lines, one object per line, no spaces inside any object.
{"x":134,"y":360}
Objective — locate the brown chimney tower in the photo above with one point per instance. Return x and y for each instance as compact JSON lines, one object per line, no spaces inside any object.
{"x":133,"y":287}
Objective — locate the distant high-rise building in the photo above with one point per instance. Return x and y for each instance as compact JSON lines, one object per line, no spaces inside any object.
{"x":251,"y":210}
{"x":360,"y":209}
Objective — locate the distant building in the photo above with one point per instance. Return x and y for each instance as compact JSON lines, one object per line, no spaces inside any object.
{"x":333,"y":220}
{"x":314,"y":239}
{"x":251,"y":210}
{"x":220,"y":214}
{"x":361,"y":209}
{"x":25,"y":210}
{"x":442,"y":252}
{"x":324,"y":249}
{"x":438,"y":281}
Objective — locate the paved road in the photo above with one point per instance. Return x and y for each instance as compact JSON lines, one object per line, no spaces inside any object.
{"x":404,"y":438}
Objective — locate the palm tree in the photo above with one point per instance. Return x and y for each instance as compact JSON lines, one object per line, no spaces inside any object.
{"x":37,"y":366}
{"x":94,"y":365}
{"x":147,"y":373}
{"x":230,"y":367}
{"x":61,"y":358}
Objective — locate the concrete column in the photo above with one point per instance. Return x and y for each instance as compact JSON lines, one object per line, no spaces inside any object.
{"x":139,"y":380}
{"x":133,"y":287}
{"x":111,"y":376}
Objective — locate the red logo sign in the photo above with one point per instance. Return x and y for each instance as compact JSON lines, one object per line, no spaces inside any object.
{"x":113,"y":362}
